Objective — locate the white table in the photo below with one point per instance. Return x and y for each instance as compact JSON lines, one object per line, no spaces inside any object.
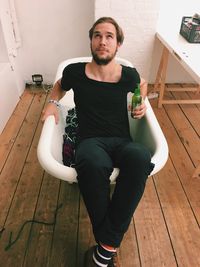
{"x":187,"y":54}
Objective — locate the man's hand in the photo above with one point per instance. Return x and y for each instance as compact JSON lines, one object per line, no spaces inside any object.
{"x":139,"y":112}
{"x":50,"y":109}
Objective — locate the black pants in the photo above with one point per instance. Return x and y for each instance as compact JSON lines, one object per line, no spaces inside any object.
{"x":95,"y":159}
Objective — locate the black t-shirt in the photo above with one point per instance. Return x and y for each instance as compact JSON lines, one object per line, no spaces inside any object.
{"x":101,"y":106}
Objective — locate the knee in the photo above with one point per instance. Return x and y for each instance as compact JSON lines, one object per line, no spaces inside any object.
{"x":137,"y":154}
{"x":142,"y":156}
{"x":92,"y":167}
{"x":138,"y":158}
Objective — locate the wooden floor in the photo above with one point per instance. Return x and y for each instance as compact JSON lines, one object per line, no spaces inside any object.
{"x":165,"y":228}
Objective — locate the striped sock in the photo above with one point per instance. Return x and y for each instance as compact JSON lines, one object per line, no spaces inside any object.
{"x":102,"y":255}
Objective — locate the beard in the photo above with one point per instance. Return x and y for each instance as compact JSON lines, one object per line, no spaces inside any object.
{"x":102,"y":60}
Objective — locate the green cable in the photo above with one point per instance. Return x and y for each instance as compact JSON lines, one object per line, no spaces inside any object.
{"x":12,"y":242}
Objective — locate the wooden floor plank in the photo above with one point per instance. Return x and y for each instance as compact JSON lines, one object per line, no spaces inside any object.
{"x":188,"y":136}
{"x":181,"y":159}
{"x":12,"y":170}
{"x":128,"y":251}
{"x":164,"y":231}
{"x":66,"y":229}
{"x":85,"y":237}
{"x":179,"y":193}
{"x":40,"y":239}
{"x":23,"y":206}
{"x":10,"y":132}
{"x":182,"y":226}
{"x":153,"y":239}
{"x":191,"y":112}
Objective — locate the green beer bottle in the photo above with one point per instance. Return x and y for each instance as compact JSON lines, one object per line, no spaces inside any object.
{"x":136,"y":99}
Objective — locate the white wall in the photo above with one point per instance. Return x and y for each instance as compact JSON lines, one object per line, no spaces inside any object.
{"x":52,"y":31}
{"x":3,"y":51}
{"x":9,"y":77}
{"x":170,"y":15}
{"x":138,"y":19}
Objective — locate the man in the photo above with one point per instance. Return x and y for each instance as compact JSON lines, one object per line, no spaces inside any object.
{"x":100,"y":94}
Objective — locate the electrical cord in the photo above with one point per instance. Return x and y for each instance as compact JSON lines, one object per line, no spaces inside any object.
{"x":11,"y":241}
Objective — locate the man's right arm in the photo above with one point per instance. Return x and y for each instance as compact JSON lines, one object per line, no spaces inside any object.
{"x":52,"y":107}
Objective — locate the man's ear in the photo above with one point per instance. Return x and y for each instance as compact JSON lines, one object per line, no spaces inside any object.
{"x":118,"y":46}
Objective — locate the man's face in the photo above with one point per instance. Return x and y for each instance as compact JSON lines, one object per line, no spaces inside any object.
{"x":104,"y":44}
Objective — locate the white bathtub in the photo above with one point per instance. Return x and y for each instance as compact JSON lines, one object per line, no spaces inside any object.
{"x":49,"y":151}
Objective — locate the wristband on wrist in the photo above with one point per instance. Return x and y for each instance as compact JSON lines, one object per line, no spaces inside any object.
{"x":54,"y":102}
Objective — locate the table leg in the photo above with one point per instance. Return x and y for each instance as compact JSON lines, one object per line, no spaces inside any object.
{"x":159,"y":84}
{"x":165,"y":57}
{"x":198,"y":89}
{"x":158,"y":76}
